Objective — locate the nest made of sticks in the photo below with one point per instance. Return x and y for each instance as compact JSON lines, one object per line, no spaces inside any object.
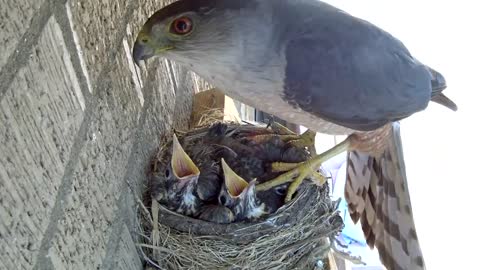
{"x":296,"y":236}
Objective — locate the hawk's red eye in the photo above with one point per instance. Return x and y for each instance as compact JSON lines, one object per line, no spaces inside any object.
{"x":181,"y":26}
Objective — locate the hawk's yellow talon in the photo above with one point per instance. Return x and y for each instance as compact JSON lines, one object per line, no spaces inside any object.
{"x":305,"y":169}
{"x":283,"y":167}
{"x":281,"y":129}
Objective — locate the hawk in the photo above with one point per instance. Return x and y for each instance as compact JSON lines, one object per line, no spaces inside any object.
{"x":315,"y":65}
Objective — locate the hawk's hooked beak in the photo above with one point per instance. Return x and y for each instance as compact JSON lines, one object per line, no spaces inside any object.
{"x":235,"y":184}
{"x":182,"y":166}
{"x":145,"y":48}
{"x":141,"y":51}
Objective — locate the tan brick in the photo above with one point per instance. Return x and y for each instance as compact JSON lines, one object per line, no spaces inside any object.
{"x":159,"y":117}
{"x":14,"y":22}
{"x":126,"y":248}
{"x":39,"y":117}
{"x":83,"y":232}
{"x":98,"y":24}
{"x":187,"y":83}
{"x":156,"y":122}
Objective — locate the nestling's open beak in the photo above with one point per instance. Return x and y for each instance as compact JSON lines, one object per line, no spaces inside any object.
{"x":182,"y":166}
{"x":234,"y":183}
{"x":249,"y":190}
{"x":141,"y":51}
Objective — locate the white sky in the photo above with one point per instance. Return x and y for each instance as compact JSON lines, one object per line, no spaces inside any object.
{"x":440,"y":146}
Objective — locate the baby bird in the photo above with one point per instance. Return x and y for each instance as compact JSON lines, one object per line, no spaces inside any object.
{"x":175,"y":186}
{"x":216,"y":213}
{"x":186,"y":177}
{"x":211,"y":173}
{"x":250,"y":152}
{"x":239,"y":196}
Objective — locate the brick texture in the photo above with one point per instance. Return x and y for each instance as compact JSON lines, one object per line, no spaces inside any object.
{"x":79,"y":123}
{"x":39,"y":115}
{"x":14,"y":22}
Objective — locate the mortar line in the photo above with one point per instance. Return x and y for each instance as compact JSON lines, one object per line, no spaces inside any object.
{"x":42,"y":261}
{"x":60,"y":13}
{"x":114,"y":239}
{"x":20,"y":55}
{"x":173,"y":77}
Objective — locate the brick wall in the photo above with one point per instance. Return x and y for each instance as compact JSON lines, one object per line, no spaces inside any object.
{"x":78,"y":122}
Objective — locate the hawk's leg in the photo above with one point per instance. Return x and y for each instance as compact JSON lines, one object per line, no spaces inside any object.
{"x":317,"y":177}
{"x":279,"y":128}
{"x":305,"y":169}
{"x":306,"y":139}
{"x":266,"y":137}
{"x":283,"y":166}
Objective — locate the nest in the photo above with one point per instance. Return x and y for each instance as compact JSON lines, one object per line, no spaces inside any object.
{"x":296,"y":236}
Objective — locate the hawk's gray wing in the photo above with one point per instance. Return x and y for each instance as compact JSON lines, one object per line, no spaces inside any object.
{"x":348,"y":71}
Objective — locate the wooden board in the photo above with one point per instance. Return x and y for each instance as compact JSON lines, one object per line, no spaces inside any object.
{"x":208,"y":105}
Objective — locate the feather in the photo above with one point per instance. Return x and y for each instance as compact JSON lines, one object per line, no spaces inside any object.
{"x":377,"y":194}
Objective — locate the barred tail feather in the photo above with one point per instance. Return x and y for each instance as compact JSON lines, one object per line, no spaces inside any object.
{"x":377,"y":194}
